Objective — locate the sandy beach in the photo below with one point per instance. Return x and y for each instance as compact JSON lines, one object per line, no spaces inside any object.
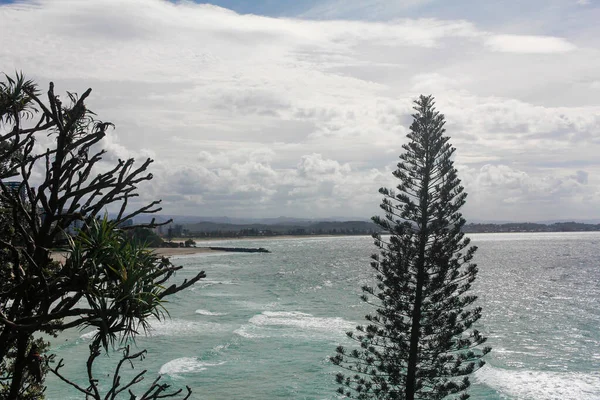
{"x":181,"y":251}
{"x":161,"y":251}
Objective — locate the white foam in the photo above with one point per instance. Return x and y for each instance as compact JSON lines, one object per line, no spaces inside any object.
{"x":300,"y":320}
{"x":172,"y":327}
{"x":209,"y":282}
{"x":292,"y":324}
{"x":179,"y":327}
{"x":249,"y":332}
{"x":221,"y":347}
{"x":88,"y":335}
{"x":185,"y":365}
{"x":541,"y":385}
{"x":209,"y":313}
{"x":255,"y":306}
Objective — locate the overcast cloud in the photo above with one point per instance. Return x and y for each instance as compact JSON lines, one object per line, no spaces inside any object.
{"x":262,"y":116}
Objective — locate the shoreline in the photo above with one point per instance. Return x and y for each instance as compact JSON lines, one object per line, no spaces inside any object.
{"x":182,"y":251}
{"x":159,"y":251}
{"x":205,"y":249}
{"x":213,"y":239}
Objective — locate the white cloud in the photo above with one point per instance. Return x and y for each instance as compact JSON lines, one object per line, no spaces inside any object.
{"x":363,"y":9}
{"x":255,"y":116}
{"x":528,"y":197}
{"x":313,"y":166}
{"x":529,"y":44}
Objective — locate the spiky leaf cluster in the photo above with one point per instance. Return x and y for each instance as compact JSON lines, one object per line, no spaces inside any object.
{"x":420,"y":342}
{"x":51,"y":179}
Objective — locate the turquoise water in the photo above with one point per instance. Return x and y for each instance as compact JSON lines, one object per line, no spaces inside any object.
{"x":262,"y":326}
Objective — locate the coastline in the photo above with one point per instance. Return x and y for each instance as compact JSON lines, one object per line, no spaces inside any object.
{"x":204,"y":249}
{"x":274,"y":237}
{"x":182,"y":251}
{"x":159,"y":251}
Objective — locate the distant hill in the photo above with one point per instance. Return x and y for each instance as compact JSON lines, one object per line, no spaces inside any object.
{"x":592,"y":221}
{"x":214,"y":229}
{"x":570,"y":226}
{"x":190,"y":219}
{"x":243,"y":227}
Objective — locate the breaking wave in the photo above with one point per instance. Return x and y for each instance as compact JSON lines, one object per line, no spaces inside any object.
{"x":541,"y":385}
{"x":209,"y":313}
{"x":185,"y":365}
{"x":291,"y":324}
{"x":172,"y":327}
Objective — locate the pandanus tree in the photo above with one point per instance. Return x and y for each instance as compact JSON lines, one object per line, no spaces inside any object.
{"x":49,"y":150}
{"x":420,"y":343}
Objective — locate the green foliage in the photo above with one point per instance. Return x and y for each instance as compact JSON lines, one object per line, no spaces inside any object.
{"x":118,"y":278}
{"x":420,"y":342}
{"x":106,"y":281}
{"x":145,"y":236}
{"x":15,"y":104}
{"x":33,"y":388}
{"x":121,"y":281}
{"x":16,"y":96}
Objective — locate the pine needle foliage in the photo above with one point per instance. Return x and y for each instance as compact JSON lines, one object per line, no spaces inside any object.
{"x":420,"y":342}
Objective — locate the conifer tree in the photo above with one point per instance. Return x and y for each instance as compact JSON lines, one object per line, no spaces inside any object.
{"x":420,"y":342}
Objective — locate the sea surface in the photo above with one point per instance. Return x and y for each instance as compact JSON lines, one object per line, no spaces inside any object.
{"x":262,"y":326}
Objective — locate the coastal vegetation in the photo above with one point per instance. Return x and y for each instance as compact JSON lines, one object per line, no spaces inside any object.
{"x":420,"y":342}
{"x":227,"y":230}
{"x":210,"y":230}
{"x":55,"y":188}
{"x":531,"y":227}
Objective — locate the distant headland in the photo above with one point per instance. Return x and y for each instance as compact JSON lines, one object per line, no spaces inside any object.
{"x":191,"y":227}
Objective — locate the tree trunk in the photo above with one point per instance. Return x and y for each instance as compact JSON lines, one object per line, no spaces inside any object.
{"x":415,"y":332}
{"x":19,"y":366}
{"x":411,"y":372}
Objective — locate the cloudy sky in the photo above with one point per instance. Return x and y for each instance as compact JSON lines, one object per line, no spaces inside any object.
{"x":299,"y":108}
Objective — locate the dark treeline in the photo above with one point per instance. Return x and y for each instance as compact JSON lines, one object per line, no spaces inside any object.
{"x":531,"y":227}
{"x":226,"y":230}
{"x":212,"y":229}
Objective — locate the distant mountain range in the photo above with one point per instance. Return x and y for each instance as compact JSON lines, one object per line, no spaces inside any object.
{"x":544,"y":222}
{"x":570,"y":226}
{"x":248,"y":227}
{"x":191,"y":219}
{"x":188,"y":219}
{"x":217,"y":229}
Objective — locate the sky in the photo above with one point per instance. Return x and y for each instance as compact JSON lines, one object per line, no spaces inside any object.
{"x":299,"y":108}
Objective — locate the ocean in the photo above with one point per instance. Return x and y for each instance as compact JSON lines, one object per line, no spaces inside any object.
{"x":262,"y":326}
